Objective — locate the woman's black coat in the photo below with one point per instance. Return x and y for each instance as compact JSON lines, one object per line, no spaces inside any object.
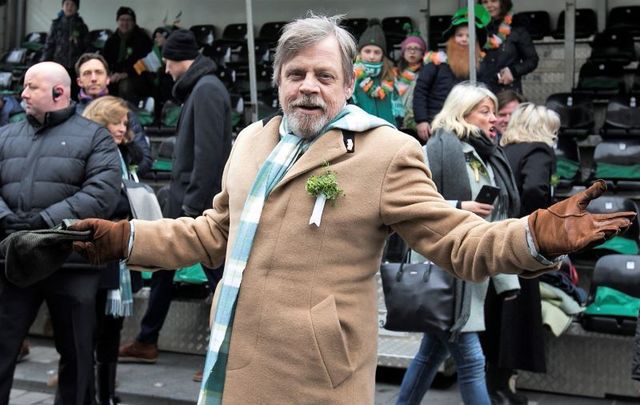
{"x":517,"y":53}
{"x":514,"y":333}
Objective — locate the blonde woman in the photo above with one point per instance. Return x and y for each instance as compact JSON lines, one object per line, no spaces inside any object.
{"x":114,"y":300}
{"x":463,"y":157}
{"x":514,"y":338}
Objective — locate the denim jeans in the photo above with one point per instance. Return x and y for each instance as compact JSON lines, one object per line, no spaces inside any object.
{"x":434,"y":348}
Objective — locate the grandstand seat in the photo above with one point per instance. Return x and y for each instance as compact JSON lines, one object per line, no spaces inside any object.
{"x":397,"y":25}
{"x":97,"y":39}
{"x":34,"y":41}
{"x":205,"y":34}
{"x":601,"y":79}
{"x":614,"y":296}
{"x":576,"y":124}
{"x":15,"y":58}
{"x":227,"y":76}
{"x":5,"y":81}
{"x":537,"y":23}
{"x":576,"y":113}
{"x":235,"y":32}
{"x":355,"y":26}
{"x":627,"y":18}
{"x":622,"y":155}
{"x":622,"y":117}
{"x":270,"y":31}
{"x":613,"y":46}
{"x":586,"y":24}
{"x":437,"y":25}
{"x":224,"y":51}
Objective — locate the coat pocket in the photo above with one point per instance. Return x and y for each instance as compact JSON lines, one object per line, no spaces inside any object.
{"x":328,"y":336}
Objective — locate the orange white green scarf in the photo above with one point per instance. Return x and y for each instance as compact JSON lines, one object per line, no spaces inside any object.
{"x":405,"y":78}
{"x":497,"y":39}
{"x":365,"y":72}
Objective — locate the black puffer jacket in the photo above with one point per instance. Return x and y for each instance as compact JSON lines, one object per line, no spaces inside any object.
{"x":517,"y":53}
{"x":67,"y":40}
{"x":203,"y":140}
{"x":432,"y":88}
{"x":66,"y":168}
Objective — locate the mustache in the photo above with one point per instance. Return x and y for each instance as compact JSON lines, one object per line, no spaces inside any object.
{"x":309,"y":102}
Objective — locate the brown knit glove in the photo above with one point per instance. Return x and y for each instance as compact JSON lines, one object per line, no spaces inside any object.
{"x":567,"y":227}
{"x":110,"y":240}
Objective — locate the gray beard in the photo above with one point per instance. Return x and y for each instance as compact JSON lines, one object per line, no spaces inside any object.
{"x":305,"y":126}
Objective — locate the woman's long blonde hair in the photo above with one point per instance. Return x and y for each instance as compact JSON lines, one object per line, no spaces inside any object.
{"x":531,"y":123}
{"x":462,"y":99}
{"x":108,"y":110}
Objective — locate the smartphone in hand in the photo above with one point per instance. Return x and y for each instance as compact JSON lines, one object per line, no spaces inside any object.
{"x":487,"y":194}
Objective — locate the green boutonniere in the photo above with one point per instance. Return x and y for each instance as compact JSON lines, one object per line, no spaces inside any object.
{"x":326,"y":183}
{"x":323,"y":187}
{"x":477,"y":168}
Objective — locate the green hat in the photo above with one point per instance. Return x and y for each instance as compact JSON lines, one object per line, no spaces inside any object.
{"x":373,"y":35}
{"x":461,"y":17}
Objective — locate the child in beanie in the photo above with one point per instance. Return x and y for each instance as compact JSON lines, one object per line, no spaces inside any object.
{"x":413,"y":48}
{"x":375,"y":78}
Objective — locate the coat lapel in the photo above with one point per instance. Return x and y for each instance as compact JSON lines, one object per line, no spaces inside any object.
{"x":265,"y":142}
{"x":327,"y":148}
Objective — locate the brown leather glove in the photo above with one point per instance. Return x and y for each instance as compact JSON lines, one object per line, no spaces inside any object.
{"x":110,"y":240}
{"x":567,"y":227}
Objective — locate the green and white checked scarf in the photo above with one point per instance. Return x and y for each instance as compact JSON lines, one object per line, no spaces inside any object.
{"x":283,"y":156}
{"x":120,"y":301}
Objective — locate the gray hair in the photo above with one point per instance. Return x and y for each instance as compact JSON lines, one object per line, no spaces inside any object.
{"x":462,"y":99}
{"x":531,"y":123}
{"x":306,"y":32}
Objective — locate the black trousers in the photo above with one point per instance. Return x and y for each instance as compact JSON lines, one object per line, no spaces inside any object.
{"x":70,"y":296}
{"x":160,"y":301}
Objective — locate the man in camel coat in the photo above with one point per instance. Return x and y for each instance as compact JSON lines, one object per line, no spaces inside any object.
{"x":296,"y":321}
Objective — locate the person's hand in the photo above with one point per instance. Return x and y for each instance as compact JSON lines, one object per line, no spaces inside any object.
{"x":35,"y":221}
{"x":480,"y":209}
{"x":506,"y":77}
{"x":110,"y":240}
{"x":13,"y":222}
{"x":424,"y":131}
{"x":568,"y":227}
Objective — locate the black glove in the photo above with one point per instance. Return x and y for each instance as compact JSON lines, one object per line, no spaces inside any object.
{"x":12,"y":223}
{"x":35,"y":221}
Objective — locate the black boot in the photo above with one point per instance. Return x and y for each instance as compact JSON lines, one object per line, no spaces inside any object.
{"x":106,"y":381}
{"x":499,"y":387}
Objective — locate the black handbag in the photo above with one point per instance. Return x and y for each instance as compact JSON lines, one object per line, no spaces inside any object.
{"x":423,"y":297}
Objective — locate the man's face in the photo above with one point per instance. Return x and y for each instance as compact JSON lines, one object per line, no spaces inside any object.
{"x":504,"y":115}
{"x":37,"y":95}
{"x":125,"y":24}
{"x":175,"y":68}
{"x":93,"y":78}
{"x":312,"y":88}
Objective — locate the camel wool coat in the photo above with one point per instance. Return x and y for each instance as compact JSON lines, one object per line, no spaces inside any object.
{"x":305,"y":327}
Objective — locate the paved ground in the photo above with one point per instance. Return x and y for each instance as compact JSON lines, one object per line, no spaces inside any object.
{"x":169,"y":382}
